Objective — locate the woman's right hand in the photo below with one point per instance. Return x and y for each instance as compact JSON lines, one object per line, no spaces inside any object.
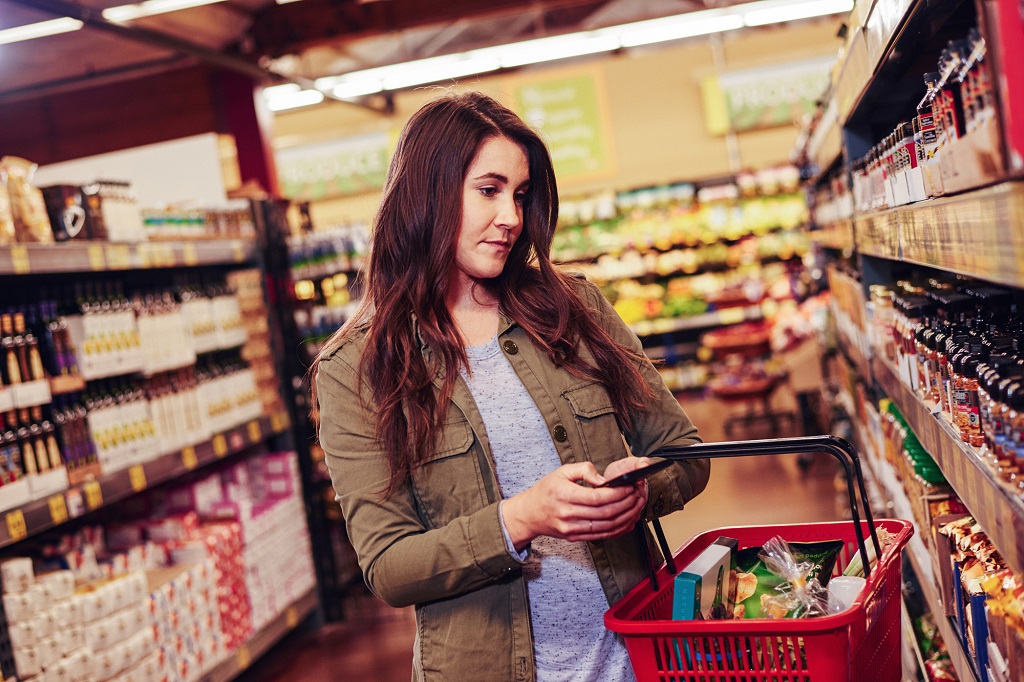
{"x":559,"y":506}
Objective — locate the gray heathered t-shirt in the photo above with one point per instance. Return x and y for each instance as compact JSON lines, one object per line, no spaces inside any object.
{"x":567,"y":604}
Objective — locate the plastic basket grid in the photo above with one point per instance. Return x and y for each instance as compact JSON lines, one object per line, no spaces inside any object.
{"x":861,"y":643}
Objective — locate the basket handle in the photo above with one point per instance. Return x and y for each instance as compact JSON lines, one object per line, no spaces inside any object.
{"x":833,"y":445}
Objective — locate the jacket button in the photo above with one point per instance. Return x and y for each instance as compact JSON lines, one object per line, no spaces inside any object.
{"x":510,"y":347}
{"x":560,"y":434}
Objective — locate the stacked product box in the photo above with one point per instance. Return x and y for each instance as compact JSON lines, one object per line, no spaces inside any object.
{"x":168,"y":597}
{"x":184,"y":608}
{"x":278,"y":555}
{"x":257,"y":351}
{"x":221,"y":543}
{"x":95,"y":632}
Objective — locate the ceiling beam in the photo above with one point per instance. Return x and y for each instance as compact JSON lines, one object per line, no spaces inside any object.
{"x":94,"y":18}
{"x":297,"y":26}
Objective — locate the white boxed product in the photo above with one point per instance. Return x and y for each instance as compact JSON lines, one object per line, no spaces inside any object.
{"x":76,"y":609}
{"x":25,"y":634}
{"x":74,"y":638}
{"x":42,"y":597}
{"x":20,"y":606}
{"x":60,"y":583}
{"x":60,"y":671}
{"x":17,"y":574}
{"x":48,"y":623}
{"x":104,"y":664}
{"x":49,"y":651}
{"x":82,"y":664}
{"x":27,"y":661}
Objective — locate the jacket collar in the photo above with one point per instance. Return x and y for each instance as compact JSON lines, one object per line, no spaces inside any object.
{"x":505,"y":323}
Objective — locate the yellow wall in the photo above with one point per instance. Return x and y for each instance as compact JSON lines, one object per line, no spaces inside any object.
{"x":654,"y":104}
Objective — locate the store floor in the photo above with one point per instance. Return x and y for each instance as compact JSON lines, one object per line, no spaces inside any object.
{"x":375,"y":646}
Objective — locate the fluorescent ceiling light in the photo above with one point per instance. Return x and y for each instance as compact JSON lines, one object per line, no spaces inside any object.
{"x":550,"y":49}
{"x":675,"y":28}
{"x":147,"y":9}
{"x":294,"y":100}
{"x":356,"y":87}
{"x":689,"y":25}
{"x":39,"y":30}
{"x":276,"y":91}
{"x":794,"y":11}
{"x":438,"y":69}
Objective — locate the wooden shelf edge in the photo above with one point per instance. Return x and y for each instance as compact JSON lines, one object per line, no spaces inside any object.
{"x":103,"y":256}
{"x":998,"y":512}
{"x":920,"y":558}
{"x":261,"y":642}
{"x":48,"y":512}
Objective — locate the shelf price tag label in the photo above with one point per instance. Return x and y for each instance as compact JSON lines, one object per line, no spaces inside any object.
{"x":220,"y":445}
{"x":255,"y":433}
{"x":278,"y":422}
{"x":118,"y":257}
{"x":58,"y":509}
{"x":93,"y":495}
{"x":190,"y":254}
{"x":730,"y":316}
{"x":243,"y":657}
{"x":291,"y":617}
{"x":237,"y":250}
{"x":189,"y":459}
{"x":97,"y":261}
{"x":16,"y":528}
{"x":145,"y":255}
{"x":19,"y":260}
{"x":137,"y":476}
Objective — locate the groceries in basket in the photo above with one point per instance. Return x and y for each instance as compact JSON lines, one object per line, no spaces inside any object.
{"x":758,"y":584}
{"x":706,"y":588}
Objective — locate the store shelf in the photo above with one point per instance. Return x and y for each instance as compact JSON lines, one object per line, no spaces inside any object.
{"x":837,"y":235}
{"x":41,"y":515}
{"x":977,"y":234}
{"x":825,"y":144}
{"x":94,"y":256}
{"x":998,"y":511}
{"x":262,"y":641}
{"x":877,"y":234}
{"x":718,"y":318}
{"x":917,"y":553}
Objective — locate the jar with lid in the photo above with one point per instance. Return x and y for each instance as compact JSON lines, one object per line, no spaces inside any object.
{"x":967,"y":401}
{"x":1015,"y":418}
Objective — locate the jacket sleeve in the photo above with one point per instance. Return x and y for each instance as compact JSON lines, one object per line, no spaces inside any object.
{"x":403,"y":562}
{"x":663,"y":423}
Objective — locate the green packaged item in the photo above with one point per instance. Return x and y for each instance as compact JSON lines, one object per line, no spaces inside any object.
{"x":755,"y":583}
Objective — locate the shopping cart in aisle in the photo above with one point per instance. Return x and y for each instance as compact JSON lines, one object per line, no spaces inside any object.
{"x":858,"y":644}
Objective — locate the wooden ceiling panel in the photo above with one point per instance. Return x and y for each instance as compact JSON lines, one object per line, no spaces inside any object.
{"x":294,"y":27}
{"x":70,"y":55}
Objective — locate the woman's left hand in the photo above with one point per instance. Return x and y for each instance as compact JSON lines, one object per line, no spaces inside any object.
{"x":640,"y":489}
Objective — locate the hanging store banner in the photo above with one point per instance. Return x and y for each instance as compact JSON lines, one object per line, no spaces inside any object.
{"x":571,"y":113}
{"x":340,"y":168}
{"x":764,"y":98}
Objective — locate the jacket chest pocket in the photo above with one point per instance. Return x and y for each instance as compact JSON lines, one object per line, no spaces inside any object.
{"x":447,"y":484}
{"x":596,"y":423}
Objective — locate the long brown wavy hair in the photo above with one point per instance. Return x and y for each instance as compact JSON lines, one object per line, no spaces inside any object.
{"x":412,"y":338}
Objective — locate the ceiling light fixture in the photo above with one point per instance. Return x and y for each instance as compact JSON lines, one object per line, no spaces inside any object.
{"x":39,"y":29}
{"x":772,"y":12}
{"x":294,"y":99}
{"x":689,"y":25}
{"x":125,"y":13}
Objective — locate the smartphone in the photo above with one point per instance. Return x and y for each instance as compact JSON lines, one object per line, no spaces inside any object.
{"x":631,"y":477}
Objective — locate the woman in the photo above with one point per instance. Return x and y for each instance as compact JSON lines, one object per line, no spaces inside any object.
{"x":468,"y":407}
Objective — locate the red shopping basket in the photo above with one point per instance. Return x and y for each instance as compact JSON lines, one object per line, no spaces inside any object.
{"x":858,"y":644}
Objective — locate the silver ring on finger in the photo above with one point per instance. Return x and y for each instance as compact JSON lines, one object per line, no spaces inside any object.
{"x":591,"y":525}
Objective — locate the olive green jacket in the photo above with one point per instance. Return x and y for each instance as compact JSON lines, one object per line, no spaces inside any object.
{"x":438,"y":543}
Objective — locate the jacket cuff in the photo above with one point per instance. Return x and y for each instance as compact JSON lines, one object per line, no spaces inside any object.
{"x":487,"y":542}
